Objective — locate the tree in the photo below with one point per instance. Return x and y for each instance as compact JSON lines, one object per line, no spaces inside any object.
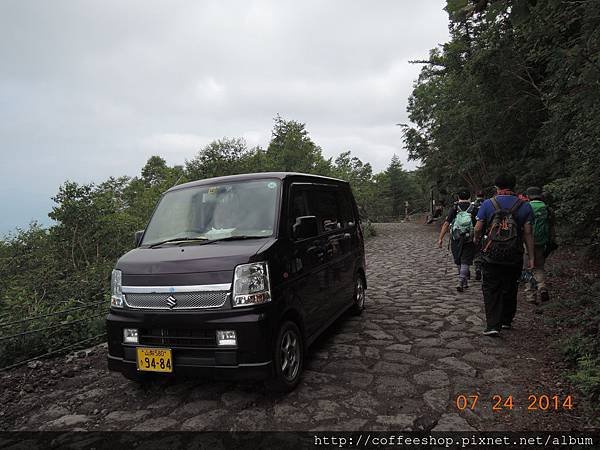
{"x":221,"y":157}
{"x":292,"y":150}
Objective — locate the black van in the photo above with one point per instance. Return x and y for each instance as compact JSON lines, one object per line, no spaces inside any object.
{"x":235,"y":277}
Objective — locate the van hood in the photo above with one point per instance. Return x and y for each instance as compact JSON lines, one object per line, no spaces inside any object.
{"x":191,"y":258}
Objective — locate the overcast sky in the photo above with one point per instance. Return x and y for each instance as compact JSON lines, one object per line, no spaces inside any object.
{"x":90,"y":89}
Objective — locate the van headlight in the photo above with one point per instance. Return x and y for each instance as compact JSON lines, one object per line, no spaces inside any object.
{"x":251,"y":284}
{"x":116,"y":291}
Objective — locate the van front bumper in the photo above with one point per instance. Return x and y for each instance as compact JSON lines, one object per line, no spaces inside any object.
{"x":192,"y":339}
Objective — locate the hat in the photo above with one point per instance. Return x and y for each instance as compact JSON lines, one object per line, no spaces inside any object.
{"x":534,"y":193}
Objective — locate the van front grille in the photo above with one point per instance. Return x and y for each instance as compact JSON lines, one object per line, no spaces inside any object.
{"x":177,"y":300}
{"x":176,"y":337}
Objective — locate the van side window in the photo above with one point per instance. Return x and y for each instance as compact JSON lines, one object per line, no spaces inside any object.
{"x":324,"y":205}
{"x":299,"y":205}
{"x":346,"y":209}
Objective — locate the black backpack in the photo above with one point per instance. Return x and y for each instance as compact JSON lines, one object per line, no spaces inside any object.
{"x":503,"y":243}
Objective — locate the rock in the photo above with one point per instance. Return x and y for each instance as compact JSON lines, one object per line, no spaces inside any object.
{"x":346,"y":425}
{"x":405,"y":348}
{"x":345,"y":351}
{"x":312,"y":376}
{"x":206,"y":421}
{"x":81,"y":354}
{"x":343,"y":365}
{"x":34,"y":364}
{"x":452,"y":422}
{"x":289,"y":414}
{"x":128,"y":416}
{"x":239,"y":399}
{"x":197,"y":407}
{"x":418,"y":332}
{"x":251,"y":420}
{"x":378,"y":334}
{"x":318,"y":392}
{"x":363,"y":402}
{"x":67,"y":421}
{"x":157,"y":424}
{"x":359,"y":379}
{"x":402,"y":422}
{"x":435,"y":352}
{"x":372,"y":352}
{"x":480,"y":358}
{"x":437,"y":399}
{"x":458,"y":365}
{"x":56,"y":411}
{"x":461,"y":344}
{"x":28,"y":388}
{"x":432,"y":378}
{"x":390,"y":367}
{"x":394,"y":386}
{"x":496,"y":375}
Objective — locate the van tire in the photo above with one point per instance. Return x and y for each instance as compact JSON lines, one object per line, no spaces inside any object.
{"x":288,"y":358}
{"x":359,"y":297}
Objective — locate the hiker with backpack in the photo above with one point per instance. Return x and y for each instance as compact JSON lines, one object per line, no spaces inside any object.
{"x":544,"y":238}
{"x":507,"y":222}
{"x":460,"y":223}
{"x":478,"y":260}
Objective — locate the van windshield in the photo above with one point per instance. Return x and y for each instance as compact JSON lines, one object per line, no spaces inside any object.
{"x":219,"y":211}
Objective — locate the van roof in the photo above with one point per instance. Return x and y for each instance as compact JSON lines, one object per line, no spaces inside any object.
{"x":255,"y":176}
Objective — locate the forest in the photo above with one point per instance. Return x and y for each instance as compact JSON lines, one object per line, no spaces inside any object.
{"x":516,"y":89}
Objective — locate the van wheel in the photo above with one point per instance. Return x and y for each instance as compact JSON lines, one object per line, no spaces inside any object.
{"x":288,"y":358}
{"x":359,"y":295}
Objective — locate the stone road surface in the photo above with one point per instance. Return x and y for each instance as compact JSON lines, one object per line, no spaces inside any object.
{"x":399,"y":366}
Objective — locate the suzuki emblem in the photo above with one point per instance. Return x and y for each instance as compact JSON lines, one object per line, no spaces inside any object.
{"x":171,"y":301}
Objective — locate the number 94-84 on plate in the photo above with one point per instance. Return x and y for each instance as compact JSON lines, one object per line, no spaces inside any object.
{"x":154,"y":359}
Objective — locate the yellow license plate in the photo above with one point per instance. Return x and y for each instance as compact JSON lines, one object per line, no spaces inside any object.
{"x":154,"y":359}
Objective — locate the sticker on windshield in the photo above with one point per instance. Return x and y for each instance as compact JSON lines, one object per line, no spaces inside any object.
{"x":272,"y":185}
{"x":212,"y":190}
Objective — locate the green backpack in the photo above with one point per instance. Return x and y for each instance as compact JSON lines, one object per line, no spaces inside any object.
{"x":462,"y":225}
{"x":541,"y":226}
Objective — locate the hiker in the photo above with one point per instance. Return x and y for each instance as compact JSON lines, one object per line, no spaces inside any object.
{"x":460,"y":221}
{"x":478,"y":260}
{"x":506,"y":221}
{"x":544,"y":238}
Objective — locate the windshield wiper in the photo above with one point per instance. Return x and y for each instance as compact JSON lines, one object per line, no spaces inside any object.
{"x":235,"y":238}
{"x":181,"y":239}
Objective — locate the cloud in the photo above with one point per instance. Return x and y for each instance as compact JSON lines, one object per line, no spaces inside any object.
{"x":92,"y":89}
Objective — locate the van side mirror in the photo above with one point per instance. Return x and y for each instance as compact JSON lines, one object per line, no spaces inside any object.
{"x":137,"y":237}
{"x":305,"y":227}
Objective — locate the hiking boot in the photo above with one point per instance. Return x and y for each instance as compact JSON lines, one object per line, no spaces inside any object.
{"x":478,"y":275}
{"x":459,"y":287}
{"x":544,"y":296}
{"x":491,"y":332}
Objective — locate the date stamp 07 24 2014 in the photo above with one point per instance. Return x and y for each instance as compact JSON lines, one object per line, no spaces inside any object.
{"x":499,"y":403}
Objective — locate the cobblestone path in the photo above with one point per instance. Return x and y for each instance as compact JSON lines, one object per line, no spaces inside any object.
{"x":399,"y":366}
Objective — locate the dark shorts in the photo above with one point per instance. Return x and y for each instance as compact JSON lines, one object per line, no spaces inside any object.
{"x":463,"y":251}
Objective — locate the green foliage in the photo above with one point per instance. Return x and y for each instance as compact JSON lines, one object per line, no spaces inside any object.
{"x":587,"y":377}
{"x":516,"y":89}
{"x":580,"y":332}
